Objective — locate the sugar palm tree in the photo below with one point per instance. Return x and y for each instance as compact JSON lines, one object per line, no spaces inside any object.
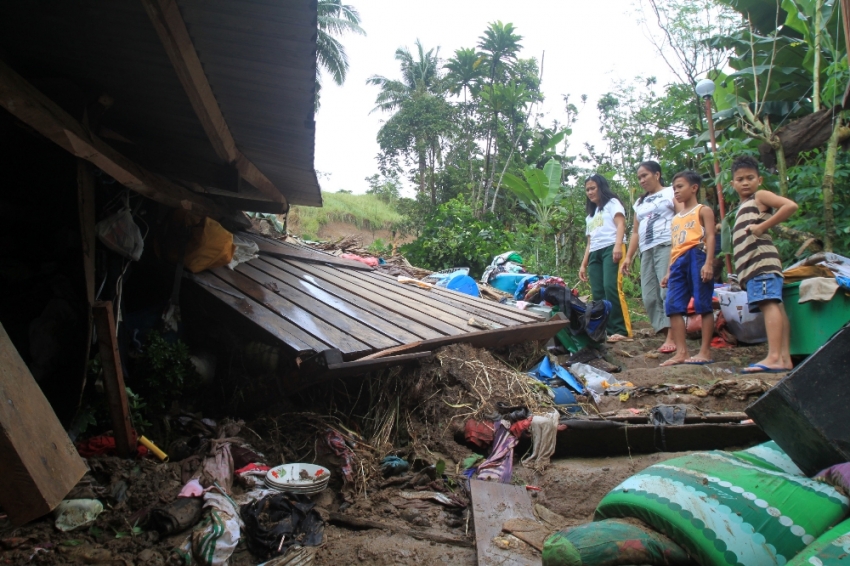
{"x":334,"y":19}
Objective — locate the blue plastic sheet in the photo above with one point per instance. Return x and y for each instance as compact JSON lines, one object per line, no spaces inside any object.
{"x":546,"y":372}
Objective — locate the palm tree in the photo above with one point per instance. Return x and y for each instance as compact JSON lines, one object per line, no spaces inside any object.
{"x":420,"y":80}
{"x":500,"y":46}
{"x":334,"y":19}
{"x":464,"y":72}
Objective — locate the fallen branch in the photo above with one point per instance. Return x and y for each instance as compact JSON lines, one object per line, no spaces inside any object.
{"x":357,"y":523}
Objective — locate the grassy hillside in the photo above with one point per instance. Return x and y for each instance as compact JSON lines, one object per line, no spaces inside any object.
{"x":367,"y":212}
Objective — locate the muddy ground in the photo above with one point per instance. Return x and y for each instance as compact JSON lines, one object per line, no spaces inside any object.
{"x":414,"y":414}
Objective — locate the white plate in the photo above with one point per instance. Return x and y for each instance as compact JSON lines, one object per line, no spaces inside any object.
{"x":289,"y":475}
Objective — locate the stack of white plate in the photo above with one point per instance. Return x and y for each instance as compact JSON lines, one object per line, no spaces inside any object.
{"x":298,"y":478}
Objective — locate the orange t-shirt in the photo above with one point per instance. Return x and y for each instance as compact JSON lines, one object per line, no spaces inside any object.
{"x":687,"y":231}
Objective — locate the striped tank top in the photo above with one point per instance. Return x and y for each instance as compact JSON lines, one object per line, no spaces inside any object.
{"x":753,"y":255}
{"x":687,"y":232}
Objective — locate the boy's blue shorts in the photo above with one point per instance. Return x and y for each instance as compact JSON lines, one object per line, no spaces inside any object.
{"x":685,"y":282}
{"x":766,"y":287}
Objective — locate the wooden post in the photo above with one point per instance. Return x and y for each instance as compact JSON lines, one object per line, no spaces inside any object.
{"x":86,"y":210}
{"x":113,"y":378}
{"x":38,"y":463}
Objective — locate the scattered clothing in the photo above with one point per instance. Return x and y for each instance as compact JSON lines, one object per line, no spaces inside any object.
{"x":818,"y":289}
{"x":217,"y":467}
{"x":668,"y":415}
{"x":193,"y":488}
{"x":276,"y":522}
{"x":393,"y":465}
{"x":479,"y":433}
{"x":104,"y":445}
{"x":838,"y":476}
{"x":499,"y":464}
{"x":336,"y":443}
{"x":216,"y":536}
{"x":544,"y":430}
{"x":370,"y":261}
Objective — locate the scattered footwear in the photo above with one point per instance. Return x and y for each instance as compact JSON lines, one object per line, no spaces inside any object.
{"x":619,"y":338}
{"x":759,"y":368}
{"x":667,"y":348}
{"x":693,"y":362}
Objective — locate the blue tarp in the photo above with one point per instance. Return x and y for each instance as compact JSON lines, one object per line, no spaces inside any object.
{"x":545,"y":371}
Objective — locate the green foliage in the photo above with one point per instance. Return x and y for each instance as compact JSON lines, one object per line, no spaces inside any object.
{"x":379,"y":248}
{"x":367,"y":212}
{"x":333,"y":19}
{"x":164,"y":373}
{"x":385,"y":187}
{"x":455,"y":237}
{"x":137,"y":411}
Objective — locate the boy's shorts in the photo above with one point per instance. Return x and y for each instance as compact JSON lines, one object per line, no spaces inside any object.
{"x":685,"y":282}
{"x":766,"y":287}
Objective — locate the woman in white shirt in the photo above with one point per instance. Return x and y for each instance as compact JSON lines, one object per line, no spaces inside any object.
{"x":606,"y":225}
{"x":651,"y":234}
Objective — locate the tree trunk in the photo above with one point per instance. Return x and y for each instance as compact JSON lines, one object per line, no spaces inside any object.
{"x":423,"y":165}
{"x":816,"y":70}
{"x":781,"y":166}
{"x":828,"y":187}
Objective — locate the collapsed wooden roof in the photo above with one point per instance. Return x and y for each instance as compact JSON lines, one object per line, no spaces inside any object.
{"x":312,"y":302}
{"x":212,"y":96}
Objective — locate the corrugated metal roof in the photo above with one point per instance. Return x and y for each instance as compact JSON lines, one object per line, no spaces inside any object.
{"x":259,"y":57}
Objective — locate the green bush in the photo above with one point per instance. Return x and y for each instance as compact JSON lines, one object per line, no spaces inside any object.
{"x":454,"y":237}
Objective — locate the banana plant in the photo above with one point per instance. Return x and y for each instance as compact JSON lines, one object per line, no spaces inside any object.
{"x":539,"y":191}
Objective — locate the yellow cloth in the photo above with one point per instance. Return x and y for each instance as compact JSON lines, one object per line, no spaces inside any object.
{"x":806,"y":272}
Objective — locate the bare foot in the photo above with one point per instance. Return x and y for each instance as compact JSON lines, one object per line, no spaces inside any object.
{"x":698,"y":361}
{"x":674,"y":361}
{"x":758,"y":367}
{"x":667,"y":348}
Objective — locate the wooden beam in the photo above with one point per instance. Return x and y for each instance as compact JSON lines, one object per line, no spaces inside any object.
{"x":86,"y":210}
{"x":38,"y":463}
{"x":113,"y":379}
{"x":30,"y":106}
{"x":171,"y":28}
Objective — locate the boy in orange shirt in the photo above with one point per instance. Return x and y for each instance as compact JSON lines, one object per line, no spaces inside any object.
{"x":691,"y":269}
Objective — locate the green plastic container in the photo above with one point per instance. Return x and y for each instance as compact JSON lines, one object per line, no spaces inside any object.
{"x":814,"y":322}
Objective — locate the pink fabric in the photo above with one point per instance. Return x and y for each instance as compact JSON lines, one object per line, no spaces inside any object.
{"x":499,"y":465}
{"x":192,"y":488}
{"x":370,"y":261}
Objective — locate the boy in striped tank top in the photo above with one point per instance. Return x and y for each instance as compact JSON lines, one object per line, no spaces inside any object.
{"x":691,"y":270}
{"x":757,"y":260}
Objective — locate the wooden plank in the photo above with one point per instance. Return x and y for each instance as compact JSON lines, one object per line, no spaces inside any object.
{"x":287,"y":310}
{"x":340,"y":315}
{"x":457,"y":297}
{"x":493,"y":504}
{"x":87,"y":215}
{"x":290,"y":335}
{"x":288,"y":251}
{"x":171,"y":28}
{"x":483,"y":339}
{"x":351,"y":369}
{"x":451,"y":302}
{"x":113,"y":379}
{"x":413,"y":301}
{"x":30,"y":106}
{"x":38,"y":463}
{"x":425,"y":319}
{"x":335,"y":298}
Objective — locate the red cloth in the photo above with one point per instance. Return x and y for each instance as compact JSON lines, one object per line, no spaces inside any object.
{"x":252,"y":468}
{"x":479,"y":433}
{"x":520,"y":427}
{"x":370,"y":261}
{"x":104,"y":445}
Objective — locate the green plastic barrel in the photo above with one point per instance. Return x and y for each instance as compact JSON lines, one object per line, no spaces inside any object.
{"x":814,"y":322}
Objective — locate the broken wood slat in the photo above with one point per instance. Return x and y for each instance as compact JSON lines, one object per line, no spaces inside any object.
{"x":358,"y":523}
{"x":171,"y":28}
{"x":113,"y":379}
{"x":288,"y":334}
{"x":457,"y":297}
{"x":38,"y":463}
{"x":339,"y":315}
{"x":289,"y":251}
{"x":333,"y":300}
{"x":437,"y":301}
{"x":30,"y":106}
{"x":493,"y":504}
{"x":339,"y":278}
{"x":352,"y":369}
{"x":458,"y":318}
{"x":491,"y":338}
{"x":286,"y":309}
{"x":690,"y":419}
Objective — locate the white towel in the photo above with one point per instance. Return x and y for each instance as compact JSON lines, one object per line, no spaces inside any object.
{"x":817,"y":289}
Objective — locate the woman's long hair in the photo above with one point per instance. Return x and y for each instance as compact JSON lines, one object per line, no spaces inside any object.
{"x":652,"y":167}
{"x":604,"y":190}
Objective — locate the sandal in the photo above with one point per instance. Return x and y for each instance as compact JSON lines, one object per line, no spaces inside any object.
{"x":619,"y":338}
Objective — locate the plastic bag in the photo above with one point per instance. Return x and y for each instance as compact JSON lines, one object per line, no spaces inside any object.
{"x":245,"y":250}
{"x":120,"y":234}
{"x":210,"y":246}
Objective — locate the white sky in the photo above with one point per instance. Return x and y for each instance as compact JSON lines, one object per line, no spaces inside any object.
{"x":589,"y":45}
